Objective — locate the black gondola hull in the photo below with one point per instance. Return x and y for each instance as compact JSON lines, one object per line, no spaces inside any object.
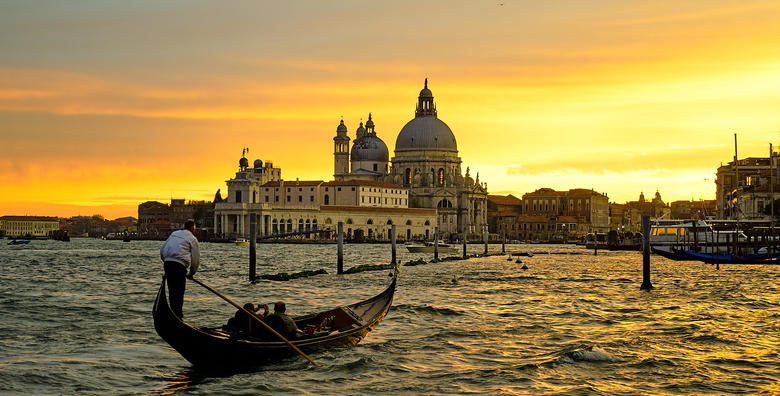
{"x":206,"y":349}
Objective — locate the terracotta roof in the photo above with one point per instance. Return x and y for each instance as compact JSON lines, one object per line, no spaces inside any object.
{"x":577,"y":192}
{"x":293,"y":183}
{"x":362,"y":183}
{"x":29,"y":218}
{"x":333,"y":208}
{"x":505,"y":200}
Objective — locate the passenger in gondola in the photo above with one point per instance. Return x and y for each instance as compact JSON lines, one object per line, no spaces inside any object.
{"x":241,"y":322}
{"x":281,"y":322}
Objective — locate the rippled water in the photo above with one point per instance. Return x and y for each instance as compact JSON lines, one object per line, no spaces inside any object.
{"x":76,"y":318}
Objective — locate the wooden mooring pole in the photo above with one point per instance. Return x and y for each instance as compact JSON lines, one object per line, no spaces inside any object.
{"x":646,"y":285}
{"x":503,"y":240}
{"x":485,"y":237}
{"x":392,"y":241}
{"x":436,"y":243}
{"x":340,"y":240}
{"x":465,"y":233}
{"x":252,"y":247}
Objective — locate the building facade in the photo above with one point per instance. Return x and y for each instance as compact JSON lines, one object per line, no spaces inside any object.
{"x":423,"y":178}
{"x":550,"y":215}
{"x":28,"y":226}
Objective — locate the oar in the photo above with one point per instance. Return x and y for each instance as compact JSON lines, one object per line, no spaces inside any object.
{"x":252,"y":315}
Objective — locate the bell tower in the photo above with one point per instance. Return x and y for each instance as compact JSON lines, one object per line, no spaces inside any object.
{"x":341,"y":152}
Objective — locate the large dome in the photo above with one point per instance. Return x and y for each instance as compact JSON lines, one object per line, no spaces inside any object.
{"x":369,"y":148}
{"x":426,"y":133}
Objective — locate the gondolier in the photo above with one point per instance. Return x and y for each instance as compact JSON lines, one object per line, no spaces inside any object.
{"x":179,"y":253}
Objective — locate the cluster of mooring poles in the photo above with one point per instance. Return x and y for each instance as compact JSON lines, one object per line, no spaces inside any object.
{"x":646,"y":284}
{"x":340,"y":244}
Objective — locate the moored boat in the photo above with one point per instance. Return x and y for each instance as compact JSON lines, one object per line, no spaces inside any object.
{"x":671,"y":239}
{"x":429,"y":247}
{"x":212,"y":347}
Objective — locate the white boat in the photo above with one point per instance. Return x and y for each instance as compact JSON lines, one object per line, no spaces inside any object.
{"x":670,"y":238}
{"x":428,"y":248}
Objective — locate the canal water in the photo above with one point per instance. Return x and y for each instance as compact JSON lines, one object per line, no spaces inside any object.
{"x":76,"y":319}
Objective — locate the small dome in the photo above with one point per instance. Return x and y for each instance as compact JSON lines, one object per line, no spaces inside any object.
{"x":426,"y":133}
{"x":426,"y":93}
{"x":341,"y":127}
{"x":369,"y":148}
{"x":258,"y":164}
{"x":243,"y":162}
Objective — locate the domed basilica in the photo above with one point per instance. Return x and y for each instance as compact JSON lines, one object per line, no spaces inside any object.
{"x":426,"y":162}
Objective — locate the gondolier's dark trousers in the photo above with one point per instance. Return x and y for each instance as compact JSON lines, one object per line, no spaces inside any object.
{"x":176,"y":274}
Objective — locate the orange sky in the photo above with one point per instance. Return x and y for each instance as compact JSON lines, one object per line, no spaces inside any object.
{"x":104,"y":106}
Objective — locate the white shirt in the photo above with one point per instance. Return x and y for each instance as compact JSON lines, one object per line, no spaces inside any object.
{"x":182,"y":247}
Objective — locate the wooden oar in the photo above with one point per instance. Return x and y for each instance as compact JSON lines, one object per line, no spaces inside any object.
{"x":252,"y":315}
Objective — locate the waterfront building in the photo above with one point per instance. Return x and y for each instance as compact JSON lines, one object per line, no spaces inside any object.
{"x":423,"y":177}
{"x":156,"y":218}
{"x":28,"y":226}
{"x":656,"y":208}
{"x":743,"y":189}
{"x":624,"y":218}
{"x":502,"y":213}
{"x":550,"y":215}
{"x":367,"y":208}
{"x":702,"y":209}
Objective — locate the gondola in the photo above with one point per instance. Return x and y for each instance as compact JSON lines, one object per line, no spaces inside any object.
{"x":211,"y":347}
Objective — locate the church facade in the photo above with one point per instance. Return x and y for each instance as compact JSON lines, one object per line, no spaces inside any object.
{"x":420,"y":188}
{"x":426,"y":162}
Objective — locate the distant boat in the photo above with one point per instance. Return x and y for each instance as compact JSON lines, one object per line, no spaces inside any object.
{"x":242,"y":242}
{"x":672,"y":239}
{"x":126,"y":238}
{"x":19,"y":242}
{"x":428,"y":247}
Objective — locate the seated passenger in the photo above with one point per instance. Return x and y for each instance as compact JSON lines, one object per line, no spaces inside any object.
{"x":241,"y":320}
{"x":281,"y":322}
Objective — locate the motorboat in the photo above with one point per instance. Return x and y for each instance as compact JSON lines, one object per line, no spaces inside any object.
{"x":429,"y":247}
{"x":671,"y":239}
{"x":242,"y":242}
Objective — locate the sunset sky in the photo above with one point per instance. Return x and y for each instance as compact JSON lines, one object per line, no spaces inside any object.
{"x":104,"y":105}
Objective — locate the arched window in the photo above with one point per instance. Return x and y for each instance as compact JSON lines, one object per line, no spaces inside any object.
{"x":427,"y":222}
{"x":289,"y":225}
{"x":408,"y":222}
{"x":389,"y":222}
{"x":327,"y":199}
{"x":370,"y":221}
{"x":408,"y":176}
{"x":349,"y":221}
{"x":440,"y":179}
{"x":275,"y":226}
{"x":444,"y":203}
{"x":300,"y":224}
{"x":328,"y":221}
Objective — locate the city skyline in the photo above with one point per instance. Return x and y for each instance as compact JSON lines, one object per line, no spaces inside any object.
{"x":106,"y":106}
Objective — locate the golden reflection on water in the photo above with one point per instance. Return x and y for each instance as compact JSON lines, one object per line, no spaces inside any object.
{"x":178,"y":382}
